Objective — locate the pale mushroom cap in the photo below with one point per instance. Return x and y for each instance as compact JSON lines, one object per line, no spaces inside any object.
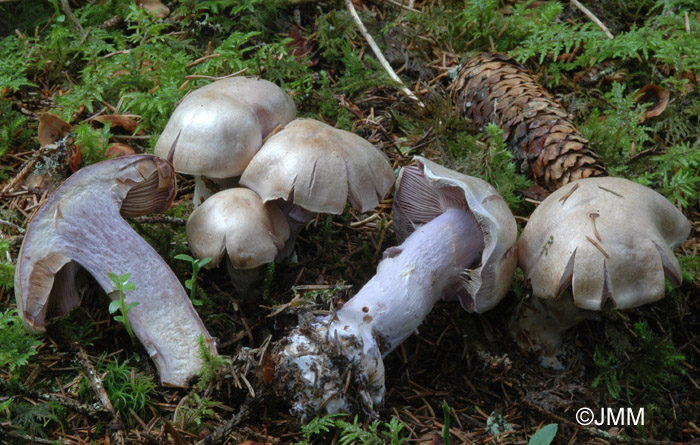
{"x":609,"y":239}
{"x":270,"y":103}
{"x":236,"y":221}
{"x":213,"y":135}
{"x":418,"y":200}
{"x":319,"y":168}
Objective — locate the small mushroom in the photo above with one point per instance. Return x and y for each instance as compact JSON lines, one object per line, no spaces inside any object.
{"x":215,"y":131}
{"x":311,"y":167}
{"x":441,"y":255}
{"x":82,"y":225}
{"x":235,"y":221}
{"x":593,"y":244}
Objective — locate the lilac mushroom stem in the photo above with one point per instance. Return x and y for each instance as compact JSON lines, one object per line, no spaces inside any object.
{"x":311,"y":363}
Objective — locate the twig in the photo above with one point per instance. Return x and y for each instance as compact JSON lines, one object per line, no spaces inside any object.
{"x":378,"y":53}
{"x":20,"y":437}
{"x":25,"y":170}
{"x":96,"y":384}
{"x":406,"y":7}
{"x":593,"y":18}
{"x":221,"y":433}
{"x":67,"y":11}
{"x":50,"y":397}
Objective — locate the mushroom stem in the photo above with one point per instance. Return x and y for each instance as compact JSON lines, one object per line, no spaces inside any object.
{"x":205,"y":186}
{"x":82,"y":225}
{"x":312,"y":361}
{"x":539,"y":325}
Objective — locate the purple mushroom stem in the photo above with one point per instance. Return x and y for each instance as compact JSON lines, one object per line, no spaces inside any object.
{"x":311,"y":362}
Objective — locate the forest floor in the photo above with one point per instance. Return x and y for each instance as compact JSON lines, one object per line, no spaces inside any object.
{"x":461,"y":378}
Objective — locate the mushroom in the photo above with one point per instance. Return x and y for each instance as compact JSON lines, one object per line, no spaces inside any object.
{"x":215,"y":131}
{"x":311,"y":167}
{"x":594,"y":244}
{"x":237,"y":222}
{"x":462,"y":229}
{"x":82,"y":225}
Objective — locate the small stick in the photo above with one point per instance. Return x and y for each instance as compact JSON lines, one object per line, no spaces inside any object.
{"x":98,"y":387}
{"x":593,"y":18}
{"x":378,"y":53}
{"x":220,"y":434}
{"x":67,"y":11}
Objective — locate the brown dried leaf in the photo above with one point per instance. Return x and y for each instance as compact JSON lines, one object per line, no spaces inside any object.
{"x":52,"y":129}
{"x":655,"y":95}
{"x":128,"y":122}
{"x":119,"y":149}
{"x":156,"y":7}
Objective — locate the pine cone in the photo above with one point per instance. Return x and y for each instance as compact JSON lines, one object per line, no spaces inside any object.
{"x":495,"y":88}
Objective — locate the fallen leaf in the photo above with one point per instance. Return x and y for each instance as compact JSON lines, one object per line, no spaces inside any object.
{"x":119,"y":149}
{"x":52,"y":129}
{"x":158,"y":9}
{"x":128,"y":122}
{"x":655,"y":95}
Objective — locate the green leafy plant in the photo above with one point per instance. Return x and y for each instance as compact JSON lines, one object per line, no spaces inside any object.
{"x":127,"y":388}
{"x":676,"y":174}
{"x":446,"y":422}
{"x":123,"y":285}
{"x":195,"y":411}
{"x":211,"y":364}
{"x":191,"y":284}
{"x":376,"y":433}
{"x":17,"y":346}
{"x":7,"y":269}
{"x":545,"y":435}
{"x":652,"y":364}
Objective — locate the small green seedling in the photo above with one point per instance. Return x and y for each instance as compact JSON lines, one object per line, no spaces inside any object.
{"x":446,"y":422}
{"x":123,"y":285}
{"x":191,"y":284}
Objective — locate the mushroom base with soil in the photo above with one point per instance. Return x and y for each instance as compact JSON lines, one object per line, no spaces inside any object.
{"x":334,"y":364}
{"x":538,"y":326}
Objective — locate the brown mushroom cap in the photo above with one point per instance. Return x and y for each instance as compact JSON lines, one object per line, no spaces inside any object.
{"x":429,"y":189}
{"x":82,"y":225}
{"x":270,"y":104}
{"x":219,"y":127}
{"x":237,"y":221}
{"x":319,"y":168}
{"x":210,"y":134}
{"x":608,"y":239}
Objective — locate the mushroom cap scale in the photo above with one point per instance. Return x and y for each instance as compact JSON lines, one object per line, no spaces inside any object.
{"x":429,"y":189}
{"x":236,"y":221}
{"x":213,"y":135}
{"x":319,"y":168}
{"x":81,"y":225}
{"x":609,"y":240}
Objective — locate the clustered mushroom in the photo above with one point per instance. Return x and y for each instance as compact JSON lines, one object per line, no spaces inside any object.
{"x":594,"y":244}
{"x":82,"y":225}
{"x":215,"y":131}
{"x":459,"y":240}
{"x":304,"y":168}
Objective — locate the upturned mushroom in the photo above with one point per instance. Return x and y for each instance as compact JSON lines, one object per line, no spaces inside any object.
{"x":310,"y":167}
{"x":82,"y":225}
{"x":236,"y":222}
{"x":460,"y":238}
{"x":215,"y":131}
{"x":594,"y":244}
